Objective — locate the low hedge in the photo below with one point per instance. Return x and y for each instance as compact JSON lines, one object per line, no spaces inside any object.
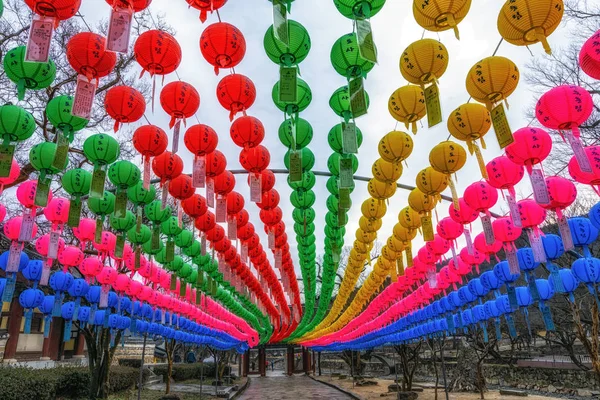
{"x":48,"y":384}
{"x":185,"y":372}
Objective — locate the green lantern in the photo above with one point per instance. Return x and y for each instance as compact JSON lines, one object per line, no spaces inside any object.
{"x":304,"y":133}
{"x":358,"y":9}
{"x":152,"y":248}
{"x":303,"y":99}
{"x":1,"y":8}
{"x":306,"y":240}
{"x":121,"y":225}
{"x":123,"y":174}
{"x":139,"y":197}
{"x":332,"y":204}
{"x":41,"y":157}
{"x":306,"y":183}
{"x":58,"y":111}
{"x":304,"y":230}
{"x":193,"y":250}
{"x":184,"y":239}
{"x":335,"y":138}
{"x":138,"y":237}
{"x":101,"y":207}
{"x":308,"y":159}
{"x":340,"y":103}
{"x":295,"y":53}
{"x":306,"y":215}
{"x":101,"y":149}
{"x":77,"y":183}
{"x":336,"y":220}
{"x":333,"y":163}
{"x":28,"y":75}
{"x":170,"y":228}
{"x":157,"y":215}
{"x":17,"y":125}
{"x":303,"y":199}
{"x":346,"y":59}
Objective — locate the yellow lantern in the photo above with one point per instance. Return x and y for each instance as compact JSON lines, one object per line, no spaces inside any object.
{"x":448,"y":157}
{"x":470,"y":122}
{"x":360,"y":247}
{"x":492,"y":80}
{"x":373,"y":208}
{"x":440,"y":15}
{"x":359,"y":257}
{"x":407,"y":105}
{"x":365,"y":237}
{"x":394,"y":244}
{"x":525,"y":22}
{"x":395,"y":146}
{"x":404,"y":235}
{"x":423,"y":204}
{"x":431,"y":182}
{"x":381,"y":190}
{"x":424,"y":61}
{"x":409,"y":218}
{"x":386,"y":171}
{"x":368,"y":225}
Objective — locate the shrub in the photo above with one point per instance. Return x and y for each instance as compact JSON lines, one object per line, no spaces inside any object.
{"x":26,"y":383}
{"x":72,"y":383}
{"x":185,"y":372}
{"x":122,"y":378}
{"x":130,"y":362}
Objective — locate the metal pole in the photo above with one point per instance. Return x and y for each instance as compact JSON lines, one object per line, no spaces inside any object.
{"x":141,"y":383}
{"x":442,"y":342}
{"x":216,"y":372}
{"x":201,"y":369}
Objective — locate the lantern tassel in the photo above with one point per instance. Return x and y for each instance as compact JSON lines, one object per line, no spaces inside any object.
{"x":542,"y":38}
{"x":203,"y":15}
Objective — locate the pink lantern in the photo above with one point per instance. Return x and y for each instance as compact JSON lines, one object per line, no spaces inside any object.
{"x":589,"y":56}
{"x":106,"y":278}
{"x":449,"y":275}
{"x":464,"y":215}
{"x":533,"y":215}
{"x":134,"y":288}
{"x":587,"y":178}
{"x":486,"y":249}
{"x":531,"y":147}
{"x":460,"y":267}
{"x":450,"y":230}
{"x":91,"y":267}
{"x":107,"y":243}
{"x":13,"y":174}
{"x":57,"y":213}
{"x":562,"y":194}
{"x":2,"y":213}
{"x":473,"y":257}
{"x":481,"y":196}
{"x":121,"y":284}
{"x":71,"y":256}
{"x":85,"y":232}
{"x":507,"y":232}
{"x":565,"y":108}
{"x":44,"y":247}
{"x":145,"y":293}
{"x":503,"y":174}
{"x":26,"y":192}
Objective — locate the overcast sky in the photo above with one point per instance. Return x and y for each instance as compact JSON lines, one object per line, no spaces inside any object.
{"x":394,"y":29}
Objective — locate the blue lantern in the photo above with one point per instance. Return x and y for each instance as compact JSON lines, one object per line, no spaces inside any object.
{"x":46,"y":308}
{"x":583,"y":233}
{"x":33,"y":271}
{"x":78,"y":289}
{"x":30,"y":299}
{"x":525,"y":299}
{"x":67,"y":311}
{"x":504,"y":306}
{"x":11,"y":276}
{"x":93,"y":297}
{"x":569,"y":283}
{"x":502,"y":272}
{"x":587,"y":270}
{"x":554,"y":249}
{"x":528,"y":264}
{"x":546,"y":292}
{"x":60,"y":282}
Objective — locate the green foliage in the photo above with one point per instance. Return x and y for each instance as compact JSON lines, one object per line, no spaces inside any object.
{"x":25,"y":383}
{"x":185,"y":372}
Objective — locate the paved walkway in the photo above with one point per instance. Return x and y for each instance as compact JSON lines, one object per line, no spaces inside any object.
{"x":290,"y":388}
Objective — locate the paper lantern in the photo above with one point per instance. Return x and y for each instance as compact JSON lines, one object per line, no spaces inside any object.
{"x":423,"y":204}
{"x":431,"y":182}
{"x":523,"y":23}
{"x":533,"y":215}
{"x":395,"y":146}
{"x":205,"y":6}
{"x":181,"y":188}
{"x":424,"y":61}
{"x":17,"y":123}
{"x":358,"y":9}
{"x":124,"y":104}
{"x":346,"y":58}
{"x":157,"y":52}
{"x":149,"y":141}
{"x":440,"y":15}
{"x":58,"y":111}
{"x":167,"y":166}
{"x":292,"y":54}
{"x":236,"y":93}
{"x":247,"y":132}
{"x":470,"y":122}
{"x":255,"y":159}
{"x":340,"y":103}
{"x":373,"y":209}
{"x":587,"y":178}
{"x":59,"y":9}
{"x":386,"y":171}
{"x":480,"y":196}
{"x":27,"y":75}
{"x":41,"y":157}
{"x":303,"y":132}
{"x":180,"y":100}
{"x":87,"y":55}
{"x":589,"y":56}
{"x":222,"y":45}
{"x":135,"y":5}
{"x":492,"y":80}
{"x":303,"y":99}
{"x":381,"y":190}
{"x":215,"y":164}
{"x":407,"y":105}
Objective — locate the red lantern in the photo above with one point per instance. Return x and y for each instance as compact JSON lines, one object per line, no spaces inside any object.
{"x":124,"y":104}
{"x":181,"y":187}
{"x":222,"y":45}
{"x":271,"y":217}
{"x":247,"y":132}
{"x":222,"y":245}
{"x":200,"y":140}
{"x":135,"y":5}
{"x":215,"y":164}
{"x":205,"y":6}
{"x":269,"y":201}
{"x":59,"y":9}
{"x":255,"y":159}
{"x":216,"y":234}
{"x":224,"y":183}
{"x":180,"y":100}
{"x":205,"y":222}
{"x":149,"y":141}
{"x":236,"y":93}
{"x":167,"y":166}
{"x":86,"y":52}
{"x":267,"y":178}
{"x":235,"y":203}
{"x":157,"y":52}
{"x":242,"y":218}
{"x":246,"y":231}
{"x":194,"y":206}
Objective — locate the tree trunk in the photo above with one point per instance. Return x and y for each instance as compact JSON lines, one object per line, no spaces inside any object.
{"x":170,"y":350}
{"x":100,"y":355}
{"x":465,"y":377}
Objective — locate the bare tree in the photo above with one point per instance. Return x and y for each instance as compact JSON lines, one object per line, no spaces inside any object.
{"x":409,"y":360}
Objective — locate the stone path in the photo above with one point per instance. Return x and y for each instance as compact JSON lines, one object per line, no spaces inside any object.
{"x":290,"y":388}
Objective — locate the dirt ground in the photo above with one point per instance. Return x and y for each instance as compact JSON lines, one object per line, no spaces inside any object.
{"x":380,"y":391}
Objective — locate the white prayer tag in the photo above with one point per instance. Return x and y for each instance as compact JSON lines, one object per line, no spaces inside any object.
{"x":26,"y":232}
{"x":199,"y":173}
{"x":488,"y":231}
{"x":469,"y":241}
{"x":84,"y":98}
{"x":514,"y":210}
{"x":255,"y":188}
{"x":14,"y":257}
{"x":578,"y":150}
{"x":210,"y":193}
{"x":119,"y":30}
{"x":221,"y":210}
{"x":565,"y":233}
{"x":40,"y":37}
{"x":540,"y":190}
{"x":53,"y":245}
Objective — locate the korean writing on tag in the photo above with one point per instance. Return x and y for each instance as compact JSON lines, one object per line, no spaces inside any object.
{"x":515,"y":215}
{"x":501,"y":126}
{"x":119,"y":30}
{"x":488,"y":231}
{"x":7,"y":152}
{"x":203,"y":245}
{"x":83,"y":101}
{"x":53,"y":245}
{"x":199,"y":172}
{"x":346,"y":173}
{"x":232,"y":228}
{"x":221,"y":210}
{"x":244,"y":253}
{"x":280,"y":22}
{"x":578,"y":150}
{"x":366,"y":45}
{"x":164,"y":195}
{"x":210,"y":193}
{"x":349,"y":138}
{"x":74,"y":213}
{"x":97,"y":186}
{"x":565,"y":233}
{"x":62,"y":151}
{"x":358,"y":98}
{"x":176,"y":131}
{"x":344,"y":201}
{"x":538,"y":183}
{"x":271,"y":237}
{"x":427,"y":227}
{"x":14,"y":257}
{"x":480,"y":161}
{"x":295,"y":166}
{"x":146,"y":177}
{"x":26,"y":232}
{"x":433,"y":105}
{"x":409,"y":256}
{"x":179,"y":213}
{"x":539,"y":255}
{"x":45,"y":274}
{"x":469,"y":241}
{"x":278,"y":258}
{"x":255,"y":188}
{"x":513,"y":261}
{"x":288,"y":84}
{"x":40,"y":37}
